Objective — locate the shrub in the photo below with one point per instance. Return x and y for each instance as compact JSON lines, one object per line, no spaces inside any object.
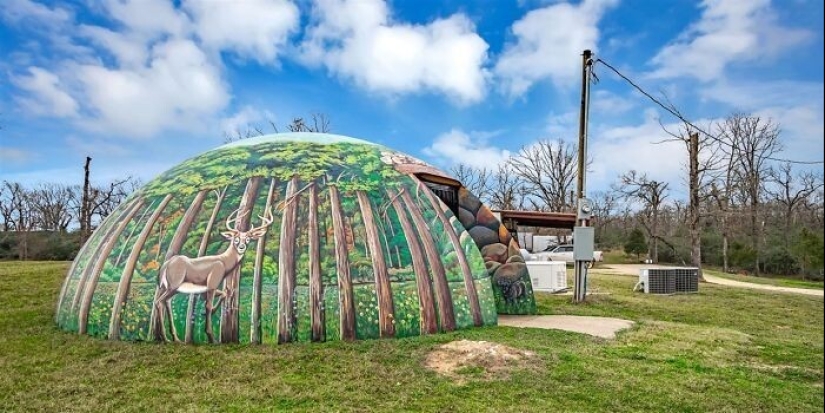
{"x":636,"y":243}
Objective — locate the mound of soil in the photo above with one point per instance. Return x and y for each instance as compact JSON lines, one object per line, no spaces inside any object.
{"x":463,"y":359}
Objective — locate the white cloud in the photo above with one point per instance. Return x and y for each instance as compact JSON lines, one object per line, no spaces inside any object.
{"x":548,"y":45}
{"x":618,"y":149}
{"x":128,"y":50}
{"x":46,"y":96}
{"x":606,"y":103}
{"x":797,"y":107}
{"x":357,"y":39}
{"x":471,"y":149}
{"x":729,"y":31}
{"x":30,"y":12}
{"x":165,"y":71}
{"x":564,"y":125}
{"x":148,"y":18}
{"x":10,"y":155}
{"x":93,"y":147}
{"x":178,"y":89}
{"x":241,"y":121}
{"x":255,"y":29}
{"x":751,"y":95}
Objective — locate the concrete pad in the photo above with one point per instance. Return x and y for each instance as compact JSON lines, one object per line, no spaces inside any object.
{"x":604,"y":327}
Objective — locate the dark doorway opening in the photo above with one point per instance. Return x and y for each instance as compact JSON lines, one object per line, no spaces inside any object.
{"x":448,"y":194}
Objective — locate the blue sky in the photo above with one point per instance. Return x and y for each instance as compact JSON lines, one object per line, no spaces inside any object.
{"x":142,"y":85}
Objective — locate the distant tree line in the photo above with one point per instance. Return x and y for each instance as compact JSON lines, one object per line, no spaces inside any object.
{"x":50,"y":221}
{"x":748,"y":209}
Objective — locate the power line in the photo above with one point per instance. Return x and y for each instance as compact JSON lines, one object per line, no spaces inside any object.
{"x":683,"y":119}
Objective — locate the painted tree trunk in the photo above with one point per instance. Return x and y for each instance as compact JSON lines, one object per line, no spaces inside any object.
{"x":65,"y":287}
{"x":104,"y":229}
{"x":469,"y":282}
{"x":103,"y":254}
{"x":345,"y":295}
{"x":257,"y":276}
{"x":174,"y":249}
{"x":208,"y":231}
{"x":190,"y":308}
{"x":286,"y":264}
{"x":232,"y":282}
{"x":428,"y":322}
{"x":128,"y":239}
{"x":316,"y":292}
{"x":126,"y":277}
{"x":185,"y":224}
{"x":386,"y":322}
{"x":446,"y":314}
{"x":385,"y":232}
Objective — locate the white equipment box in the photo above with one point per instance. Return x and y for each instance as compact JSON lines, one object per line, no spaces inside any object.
{"x":548,"y":276}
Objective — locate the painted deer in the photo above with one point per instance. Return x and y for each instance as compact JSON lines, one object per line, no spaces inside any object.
{"x":203,"y":275}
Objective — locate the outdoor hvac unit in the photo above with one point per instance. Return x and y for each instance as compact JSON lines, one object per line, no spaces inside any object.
{"x":669,"y":280}
{"x":548,"y":276}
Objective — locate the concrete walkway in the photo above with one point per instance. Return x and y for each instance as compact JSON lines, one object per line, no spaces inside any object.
{"x":633,"y":269}
{"x":603,"y":327}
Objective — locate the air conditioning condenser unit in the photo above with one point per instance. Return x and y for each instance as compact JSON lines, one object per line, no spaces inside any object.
{"x":669,"y":280}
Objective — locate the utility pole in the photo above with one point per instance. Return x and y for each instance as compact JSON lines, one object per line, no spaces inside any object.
{"x":583,"y":236}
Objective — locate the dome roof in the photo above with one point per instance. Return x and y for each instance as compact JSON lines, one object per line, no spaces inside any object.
{"x":286,"y":237}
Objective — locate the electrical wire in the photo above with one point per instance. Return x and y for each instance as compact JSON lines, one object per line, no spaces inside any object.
{"x":686,"y":121}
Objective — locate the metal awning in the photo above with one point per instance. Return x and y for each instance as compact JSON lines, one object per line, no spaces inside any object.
{"x":562,"y":220}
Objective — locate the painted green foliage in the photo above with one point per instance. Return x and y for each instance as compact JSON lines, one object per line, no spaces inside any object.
{"x":185,"y":210}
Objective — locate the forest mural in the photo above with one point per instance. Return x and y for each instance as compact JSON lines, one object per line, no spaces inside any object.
{"x":294,"y":237}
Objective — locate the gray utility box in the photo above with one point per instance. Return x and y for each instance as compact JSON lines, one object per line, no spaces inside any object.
{"x":669,"y":280}
{"x":583,"y":240}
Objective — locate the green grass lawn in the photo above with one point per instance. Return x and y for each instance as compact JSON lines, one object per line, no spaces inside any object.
{"x":770,"y":280}
{"x":723,"y":349}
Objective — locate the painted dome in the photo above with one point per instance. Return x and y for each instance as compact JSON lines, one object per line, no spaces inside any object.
{"x":290,"y":237}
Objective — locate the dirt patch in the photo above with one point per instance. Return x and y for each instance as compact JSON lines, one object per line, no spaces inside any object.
{"x":465,"y":359}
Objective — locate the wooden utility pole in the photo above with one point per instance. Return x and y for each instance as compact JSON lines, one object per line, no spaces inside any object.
{"x":580,"y":279}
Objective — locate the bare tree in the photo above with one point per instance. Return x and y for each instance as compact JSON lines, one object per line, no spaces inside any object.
{"x":317,"y":123}
{"x":506,"y":189}
{"x":652,"y":195}
{"x":18,"y":215}
{"x":814,"y":207}
{"x":6,"y":206}
{"x":549,"y":171}
{"x":604,"y":211}
{"x":53,"y":204}
{"x":702,"y":159}
{"x":476,"y":180}
{"x":791,"y":191}
{"x":100,"y":201}
{"x":753,"y":141}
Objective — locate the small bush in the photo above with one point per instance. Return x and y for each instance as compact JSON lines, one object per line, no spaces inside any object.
{"x":780,"y":262}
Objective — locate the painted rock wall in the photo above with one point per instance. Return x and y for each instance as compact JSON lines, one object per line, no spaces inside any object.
{"x":511,"y":282}
{"x":279,"y":239}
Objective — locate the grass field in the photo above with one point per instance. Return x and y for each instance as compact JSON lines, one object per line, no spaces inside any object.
{"x":723,"y":349}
